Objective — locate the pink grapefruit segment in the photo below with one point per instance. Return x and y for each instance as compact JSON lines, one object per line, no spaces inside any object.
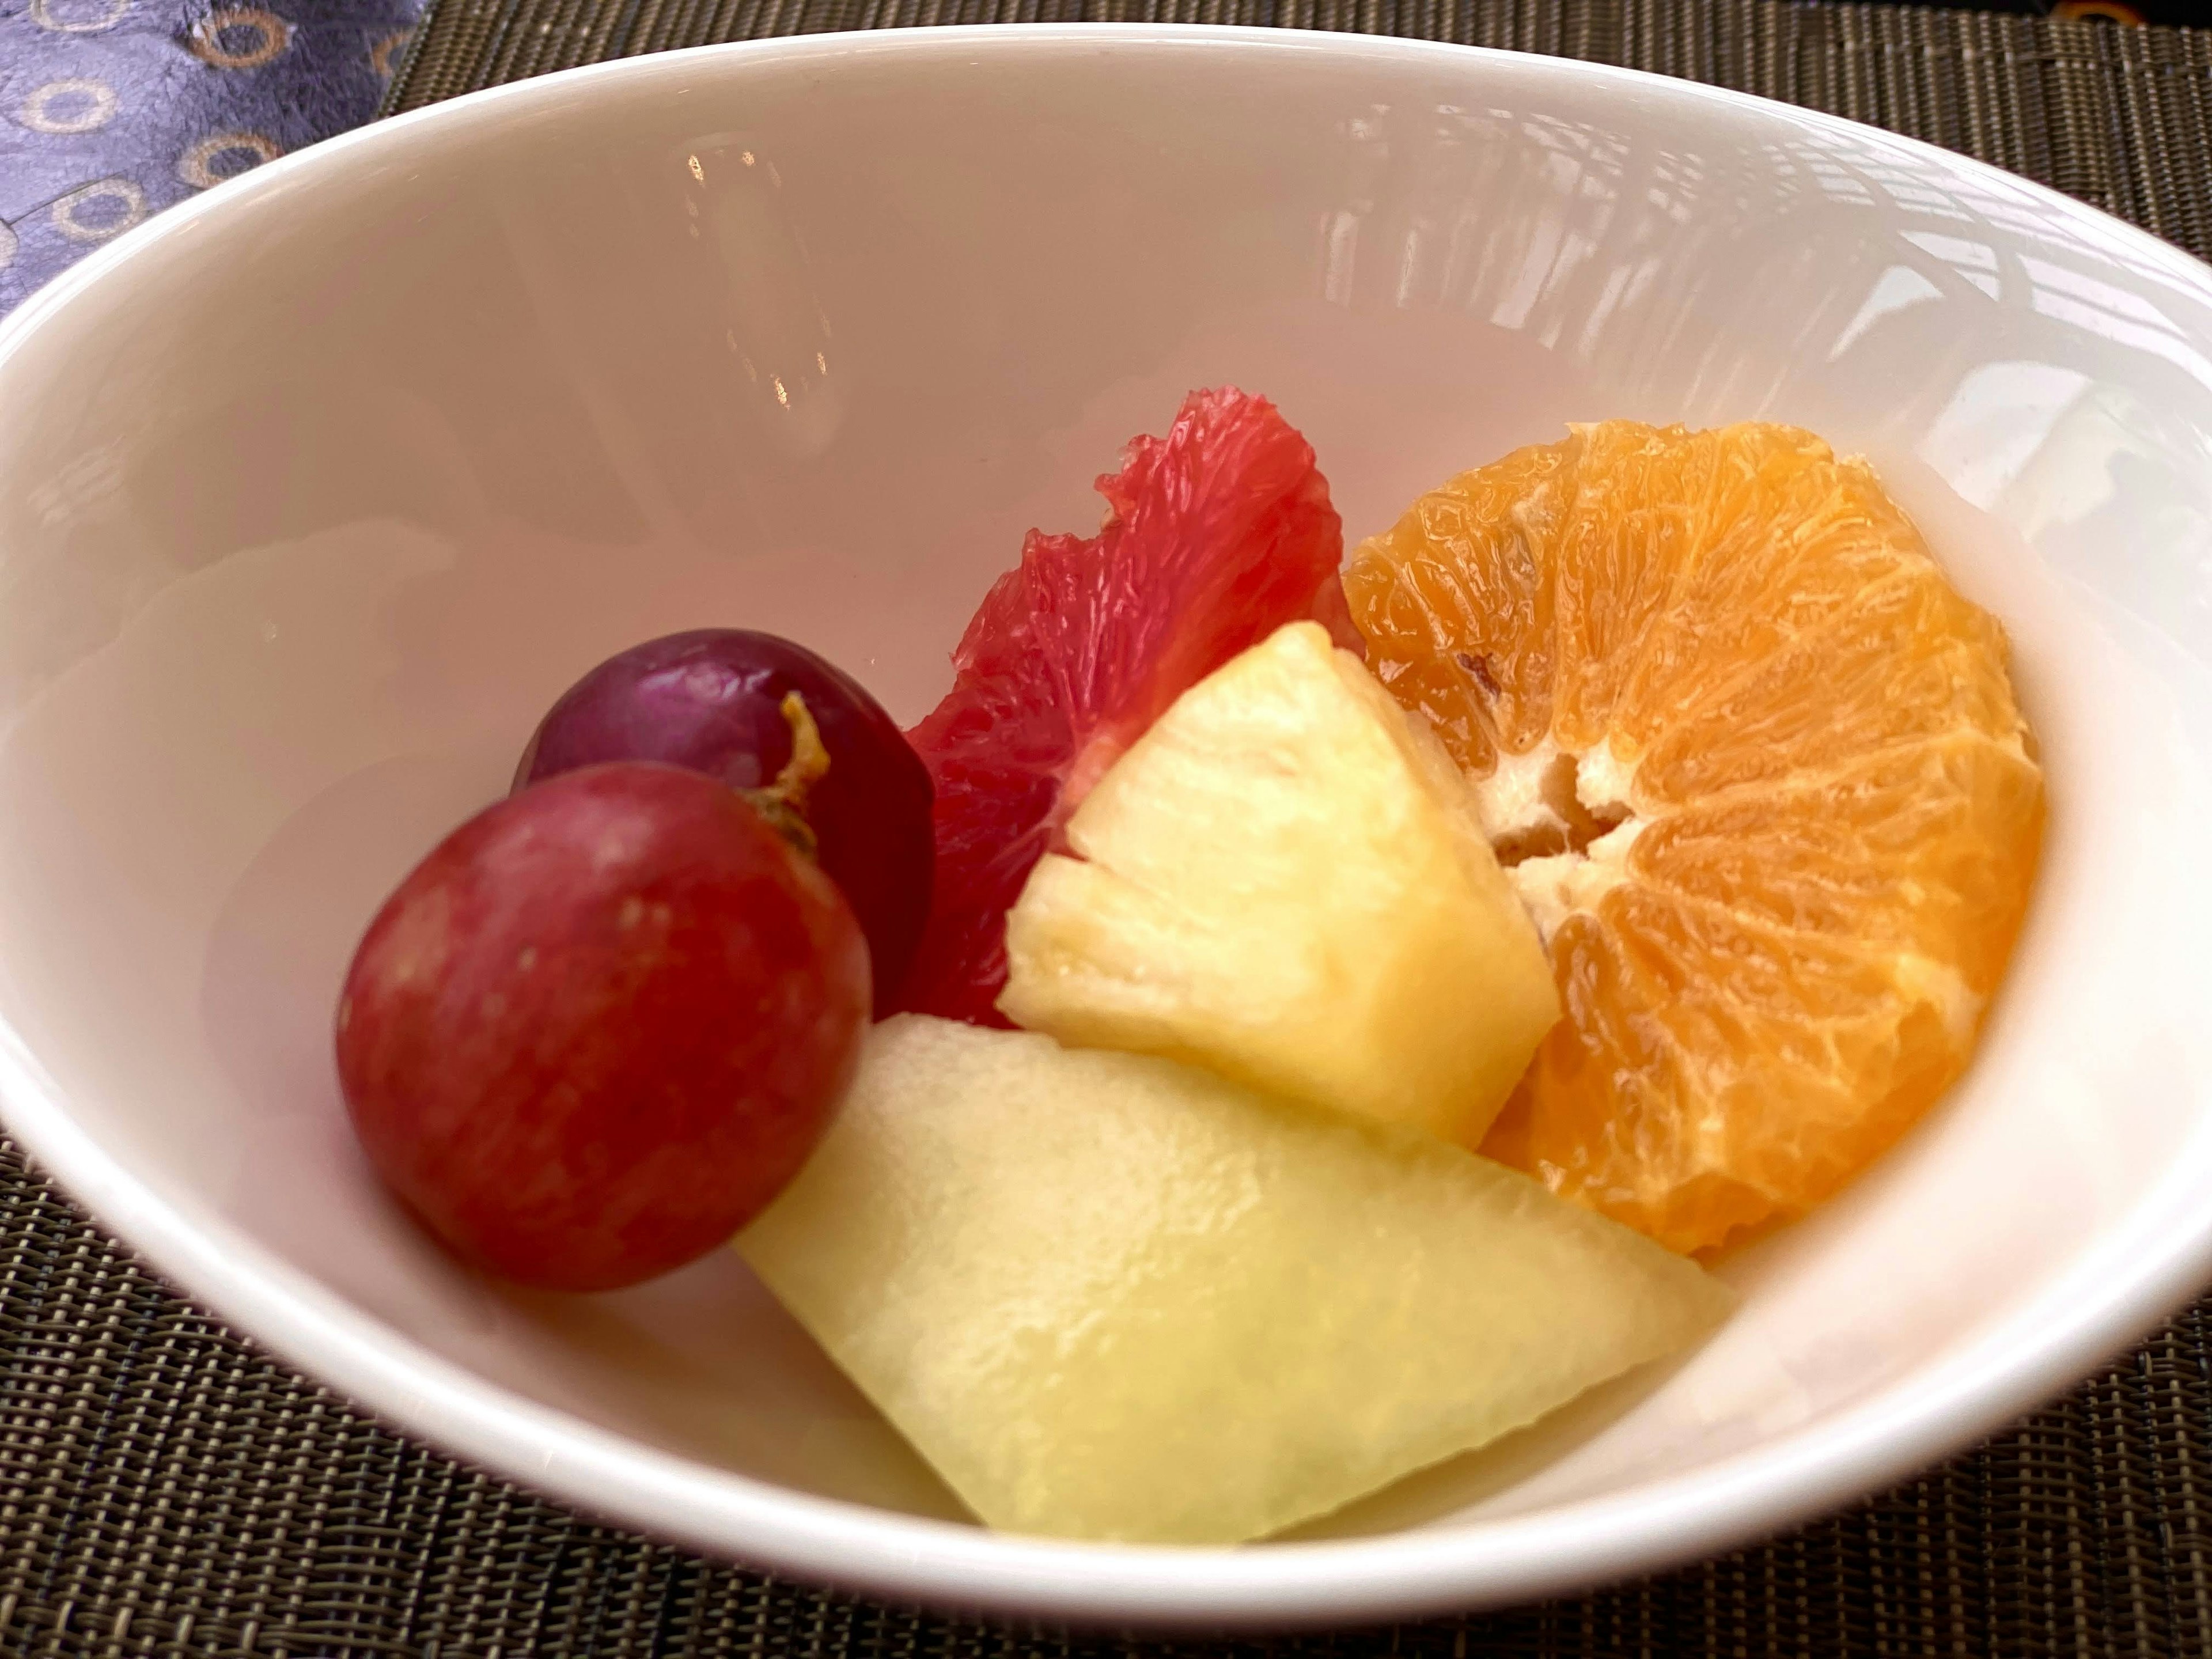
{"x":1216,"y":535}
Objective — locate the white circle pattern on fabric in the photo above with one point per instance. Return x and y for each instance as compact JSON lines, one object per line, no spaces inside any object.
{"x":214,"y":37}
{"x":48,"y":108}
{"x":382,"y":54}
{"x":69,"y":211}
{"x":196,"y":167}
{"x":67,"y":16}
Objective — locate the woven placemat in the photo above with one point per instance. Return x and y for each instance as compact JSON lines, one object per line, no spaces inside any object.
{"x":166,"y":1490}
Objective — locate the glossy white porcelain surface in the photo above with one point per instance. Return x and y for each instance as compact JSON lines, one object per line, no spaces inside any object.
{"x":313,"y":492}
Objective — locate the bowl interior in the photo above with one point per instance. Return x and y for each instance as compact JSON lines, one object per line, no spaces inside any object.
{"x":312,"y":498}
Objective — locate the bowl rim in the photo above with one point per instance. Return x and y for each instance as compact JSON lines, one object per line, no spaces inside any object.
{"x":2123,"y":1288}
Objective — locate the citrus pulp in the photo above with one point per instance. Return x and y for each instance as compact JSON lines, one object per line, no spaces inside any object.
{"x":1215,"y":536}
{"x":1761,"y":777}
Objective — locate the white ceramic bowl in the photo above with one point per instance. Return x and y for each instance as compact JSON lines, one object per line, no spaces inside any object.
{"x":314,"y":491}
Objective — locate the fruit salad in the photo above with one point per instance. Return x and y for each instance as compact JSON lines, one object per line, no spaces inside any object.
{"x":1285,"y":1019}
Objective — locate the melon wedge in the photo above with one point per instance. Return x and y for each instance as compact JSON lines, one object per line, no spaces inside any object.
{"x":1110,"y":1297}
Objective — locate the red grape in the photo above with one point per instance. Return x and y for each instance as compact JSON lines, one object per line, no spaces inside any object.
{"x":601,"y":1025}
{"x":712,"y":700}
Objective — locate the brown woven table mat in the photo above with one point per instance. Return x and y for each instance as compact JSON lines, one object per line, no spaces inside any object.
{"x":164,"y":1490}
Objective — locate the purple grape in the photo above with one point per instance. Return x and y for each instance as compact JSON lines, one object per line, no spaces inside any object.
{"x":712,"y":700}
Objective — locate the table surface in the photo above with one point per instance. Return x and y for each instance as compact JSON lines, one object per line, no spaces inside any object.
{"x":164,"y":1489}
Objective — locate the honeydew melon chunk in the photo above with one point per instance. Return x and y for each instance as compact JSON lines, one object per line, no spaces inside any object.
{"x":1111,"y":1296}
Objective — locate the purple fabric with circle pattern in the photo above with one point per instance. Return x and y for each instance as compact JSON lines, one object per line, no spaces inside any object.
{"x":111,"y":110}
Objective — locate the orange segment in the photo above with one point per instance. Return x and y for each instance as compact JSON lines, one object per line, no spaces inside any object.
{"x":1757,"y":770}
{"x":1791,"y":544}
{"x":1885,"y":852}
{"x":1469,"y":604}
{"x":1908,"y":660}
{"x":1641,"y":505}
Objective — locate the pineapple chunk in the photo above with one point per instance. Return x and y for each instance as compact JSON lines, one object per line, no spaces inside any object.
{"x":1109,"y":1296}
{"x":1286,"y":881}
